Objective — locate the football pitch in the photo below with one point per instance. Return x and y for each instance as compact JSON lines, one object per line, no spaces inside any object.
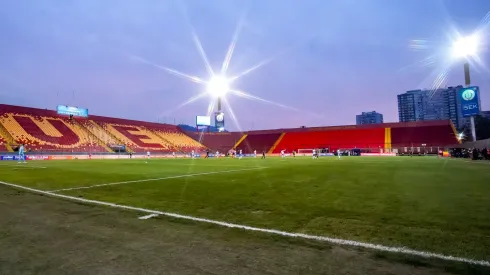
{"x":422,"y":203}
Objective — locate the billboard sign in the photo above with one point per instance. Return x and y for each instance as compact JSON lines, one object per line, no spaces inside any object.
{"x":36,"y":157}
{"x":219,"y":120}
{"x":9,"y":157}
{"x":378,"y":154}
{"x":74,"y":111}
{"x":203,"y":120}
{"x":469,"y":101}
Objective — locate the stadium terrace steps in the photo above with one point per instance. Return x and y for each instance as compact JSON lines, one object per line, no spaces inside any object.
{"x":45,"y":130}
{"x":41,"y":132}
{"x":180,"y":141}
{"x":4,"y":147}
{"x":5,"y":140}
{"x":259,"y":142}
{"x":221,"y":142}
{"x":5,"y":134}
{"x":431,"y":136}
{"x":276,"y":143}
{"x":106,"y":136}
{"x":240,"y":141}
{"x":372,"y":138}
{"x":173,"y":146}
{"x":92,"y":135}
{"x":138,"y":138}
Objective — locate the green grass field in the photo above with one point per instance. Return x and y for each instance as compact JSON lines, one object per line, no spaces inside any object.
{"x":428,"y":204}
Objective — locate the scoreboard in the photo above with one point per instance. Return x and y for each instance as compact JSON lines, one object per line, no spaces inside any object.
{"x":71,"y":111}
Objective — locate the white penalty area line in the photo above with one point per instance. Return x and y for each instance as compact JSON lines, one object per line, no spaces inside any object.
{"x":154,"y":179}
{"x":401,"y":250}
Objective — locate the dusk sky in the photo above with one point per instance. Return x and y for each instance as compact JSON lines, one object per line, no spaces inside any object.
{"x":332,"y":59}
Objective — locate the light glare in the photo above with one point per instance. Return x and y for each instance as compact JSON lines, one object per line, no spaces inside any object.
{"x":466,"y":46}
{"x":218,"y":86}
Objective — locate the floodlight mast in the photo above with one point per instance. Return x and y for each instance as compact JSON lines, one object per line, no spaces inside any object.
{"x":465,"y":47}
{"x":467,"y":82}
{"x":218,"y":86}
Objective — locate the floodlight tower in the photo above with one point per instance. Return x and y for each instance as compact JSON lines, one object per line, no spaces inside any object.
{"x":218,"y":86}
{"x":466,"y":47}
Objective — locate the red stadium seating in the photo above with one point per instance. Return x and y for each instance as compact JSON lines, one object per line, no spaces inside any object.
{"x":432,"y":134}
{"x":258,"y":142}
{"x":45,"y":130}
{"x":140,"y":136}
{"x":3,"y":147}
{"x":221,"y":142}
{"x":333,"y":139}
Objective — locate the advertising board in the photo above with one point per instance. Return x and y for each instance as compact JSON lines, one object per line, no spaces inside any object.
{"x":379,"y":154}
{"x":34,"y":157}
{"x":9,"y":157}
{"x":469,"y":99}
{"x":74,"y":111}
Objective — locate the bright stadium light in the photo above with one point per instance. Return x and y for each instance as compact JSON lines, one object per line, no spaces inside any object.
{"x":218,"y":86}
{"x":466,"y":46}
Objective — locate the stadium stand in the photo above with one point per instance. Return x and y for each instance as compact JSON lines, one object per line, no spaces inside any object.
{"x":333,"y":139}
{"x":45,"y":130}
{"x":430,"y":133}
{"x":374,"y":137}
{"x":3,"y":145}
{"x":258,"y":141}
{"x":181,"y":141}
{"x":104,"y":137}
{"x":140,"y":136}
{"x":221,"y":142}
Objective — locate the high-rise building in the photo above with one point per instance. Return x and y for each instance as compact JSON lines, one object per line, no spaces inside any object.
{"x":439,"y":104}
{"x":369,"y":118}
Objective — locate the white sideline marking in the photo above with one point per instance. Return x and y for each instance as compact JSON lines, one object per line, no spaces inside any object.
{"x":148,"y":216}
{"x":27,"y":168}
{"x":477,"y":161}
{"x":154,"y":179}
{"x":22,"y":165}
{"x":402,"y":250}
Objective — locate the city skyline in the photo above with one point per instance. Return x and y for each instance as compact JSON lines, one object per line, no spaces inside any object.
{"x":322,"y":70}
{"x":439,"y":104}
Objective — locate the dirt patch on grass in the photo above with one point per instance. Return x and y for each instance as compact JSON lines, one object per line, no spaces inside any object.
{"x":40,"y":234}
